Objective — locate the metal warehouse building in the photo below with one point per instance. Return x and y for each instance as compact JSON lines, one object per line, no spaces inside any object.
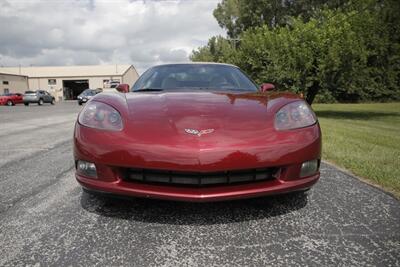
{"x":11,"y":83}
{"x":67,"y":82}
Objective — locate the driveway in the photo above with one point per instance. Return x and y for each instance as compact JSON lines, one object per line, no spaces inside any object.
{"x":45,"y":218}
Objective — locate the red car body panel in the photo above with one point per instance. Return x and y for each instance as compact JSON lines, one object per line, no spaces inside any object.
{"x":154,"y":137}
{"x":14,"y":98}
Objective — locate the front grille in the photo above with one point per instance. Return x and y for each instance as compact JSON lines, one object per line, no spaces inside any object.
{"x":200,"y":179}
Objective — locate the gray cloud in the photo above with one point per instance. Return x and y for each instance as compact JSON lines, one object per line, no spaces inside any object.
{"x":142,"y":33}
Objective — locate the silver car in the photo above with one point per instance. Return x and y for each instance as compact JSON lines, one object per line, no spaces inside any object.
{"x":39,"y":97}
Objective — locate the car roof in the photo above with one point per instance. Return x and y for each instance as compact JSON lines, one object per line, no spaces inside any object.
{"x":196,"y":63}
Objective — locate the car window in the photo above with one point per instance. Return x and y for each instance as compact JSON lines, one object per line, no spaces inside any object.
{"x":195,"y":76}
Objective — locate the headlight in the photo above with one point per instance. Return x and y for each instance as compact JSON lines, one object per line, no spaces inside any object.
{"x":100,"y":116}
{"x":294,"y":115}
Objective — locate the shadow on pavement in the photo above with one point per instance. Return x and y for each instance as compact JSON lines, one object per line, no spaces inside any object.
{"x":183,"y":213}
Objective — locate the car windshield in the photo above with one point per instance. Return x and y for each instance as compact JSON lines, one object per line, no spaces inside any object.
{"x":194,"y":77}
{"x":30,"y":92}
{"x":88,"y":93}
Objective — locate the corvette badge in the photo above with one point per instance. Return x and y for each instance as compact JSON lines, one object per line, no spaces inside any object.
{"x":199,"y":133}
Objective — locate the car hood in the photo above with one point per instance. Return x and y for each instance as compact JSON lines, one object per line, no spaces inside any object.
{"x":221,"y":116}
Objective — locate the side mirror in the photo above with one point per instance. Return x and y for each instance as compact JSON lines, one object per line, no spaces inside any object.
{"x":123,"y":88}
{"x":267,"y":87}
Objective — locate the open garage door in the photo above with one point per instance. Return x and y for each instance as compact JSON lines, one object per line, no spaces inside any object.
{"x":72,"y":88}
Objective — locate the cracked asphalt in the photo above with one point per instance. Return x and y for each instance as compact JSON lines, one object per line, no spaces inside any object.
{"x":46,"y":219}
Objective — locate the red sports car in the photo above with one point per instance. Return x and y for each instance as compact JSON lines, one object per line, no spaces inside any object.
{"x":197,"y":132}
{"x":11,"y":99}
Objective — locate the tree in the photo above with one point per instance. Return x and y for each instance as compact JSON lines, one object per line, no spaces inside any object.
{"x":218,"y":49}
{"x":346,"y":53}
{"x":350,"y":53}
{"x":236,"y":16}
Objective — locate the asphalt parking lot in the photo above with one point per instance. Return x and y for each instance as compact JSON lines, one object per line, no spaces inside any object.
{"x":45,"y":218}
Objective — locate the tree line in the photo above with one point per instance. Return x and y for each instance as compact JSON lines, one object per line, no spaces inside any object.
{"x":339,"y":50}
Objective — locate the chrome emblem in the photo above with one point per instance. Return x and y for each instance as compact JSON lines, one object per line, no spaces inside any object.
{"x":199,"y":133}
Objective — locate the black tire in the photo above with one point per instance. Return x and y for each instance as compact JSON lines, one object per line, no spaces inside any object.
{"x":26,"y":104}
{"x":10,"y":103}
{"x":40,"y":102}
{"x":80,"y":103}
{"x":53,"y":101}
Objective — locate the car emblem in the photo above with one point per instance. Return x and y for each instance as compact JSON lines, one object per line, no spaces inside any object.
{"x":199,"y":133}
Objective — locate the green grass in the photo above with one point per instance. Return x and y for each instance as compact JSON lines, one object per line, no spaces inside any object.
{"x":364,"y":139}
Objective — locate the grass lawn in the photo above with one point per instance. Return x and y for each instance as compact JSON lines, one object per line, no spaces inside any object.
{"x":364,"y":139}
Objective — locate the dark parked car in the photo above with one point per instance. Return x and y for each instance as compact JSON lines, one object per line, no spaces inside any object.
{"x":86,"y":95}
{"x":11,"y":99}
{"x":39,"y":97}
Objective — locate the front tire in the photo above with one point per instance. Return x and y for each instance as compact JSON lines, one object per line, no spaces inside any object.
{"x":40,"y":102}
{"x":52,"y":102}
{"x":26,"y":104}
{"x":10,"y":103}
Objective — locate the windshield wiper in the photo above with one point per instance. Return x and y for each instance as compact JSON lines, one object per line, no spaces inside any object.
{"x":148,"y":90}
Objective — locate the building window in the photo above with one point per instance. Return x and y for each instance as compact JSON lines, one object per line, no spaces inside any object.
{"x":6,"y":91}
{"x":52,"y":81}
{"x":5,"y":82}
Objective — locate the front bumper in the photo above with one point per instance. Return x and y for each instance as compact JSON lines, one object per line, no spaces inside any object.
{"x":218,"y":193}
{"x":112,"y":156}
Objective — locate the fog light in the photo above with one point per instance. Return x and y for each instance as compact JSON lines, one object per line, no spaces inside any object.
{"x":309,"y":168}
{"x":86,"y":168}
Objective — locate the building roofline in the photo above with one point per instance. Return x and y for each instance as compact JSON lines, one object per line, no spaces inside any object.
{"x":131,"y":66}
{"x":45,"y":71}
{"x":74,"y":76}
{"x":11,"y":74}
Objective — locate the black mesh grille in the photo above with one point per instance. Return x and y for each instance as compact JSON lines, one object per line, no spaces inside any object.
{"x":199,"y":179}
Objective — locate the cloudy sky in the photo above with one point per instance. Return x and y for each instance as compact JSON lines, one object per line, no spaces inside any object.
{"x":85,"y":32}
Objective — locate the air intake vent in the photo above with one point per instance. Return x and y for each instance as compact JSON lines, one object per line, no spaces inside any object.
{"x":200,"y":179}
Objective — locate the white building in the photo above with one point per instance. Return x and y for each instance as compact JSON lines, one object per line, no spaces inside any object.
{"x":11,"y":83}
{"x":67,"y":82}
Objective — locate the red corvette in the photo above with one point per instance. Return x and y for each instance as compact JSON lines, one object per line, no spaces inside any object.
{"x":11,"y":99}
{"x":197,"y":132}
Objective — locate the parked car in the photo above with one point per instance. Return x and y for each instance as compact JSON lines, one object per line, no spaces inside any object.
{"x":86,"y":95}
{"x":114,"y":84}
{"x":11,"y":99}
{"x":197,"y":132}
{"x":39,"y":97}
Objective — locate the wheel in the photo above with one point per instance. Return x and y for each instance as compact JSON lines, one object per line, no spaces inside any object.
{"x":26,"y":104}
{"x":80,"y":103}
{"x":52,"y":102}
{"x":40,"y":102}
{"x":9,"y":103}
